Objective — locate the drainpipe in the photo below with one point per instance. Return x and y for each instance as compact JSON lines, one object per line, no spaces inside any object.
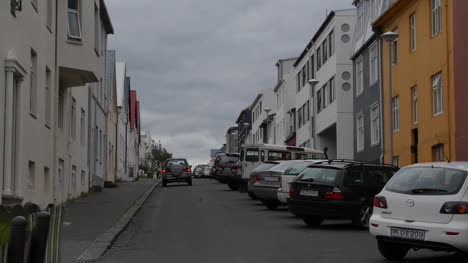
{"x":381,"y":103}
{"x":57,"y":76}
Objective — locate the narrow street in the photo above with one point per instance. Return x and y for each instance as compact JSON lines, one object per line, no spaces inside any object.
{"x":208,"y":223}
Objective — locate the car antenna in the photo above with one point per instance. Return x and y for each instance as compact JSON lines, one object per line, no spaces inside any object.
{"x":446,"y":156}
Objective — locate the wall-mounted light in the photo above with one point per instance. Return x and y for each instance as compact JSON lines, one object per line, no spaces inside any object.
{"x":16,"y":5}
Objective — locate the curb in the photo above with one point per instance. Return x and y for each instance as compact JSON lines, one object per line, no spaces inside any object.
{"x":104,"y":241}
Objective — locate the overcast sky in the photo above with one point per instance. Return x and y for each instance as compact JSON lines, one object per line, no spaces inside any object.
{"x":197,"y":63}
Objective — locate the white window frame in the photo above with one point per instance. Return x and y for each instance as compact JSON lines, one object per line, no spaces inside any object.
{"x":360,"y":133}
{"x":373,"y":63}
{"x":33,"y":84}
{"x":47,"y":98}
{"x":414,"y":98}
{"x":396,"y":161}
{"x":395,"y":48}
{"x":78,"y":20}
{"x":396,"y":113}
{"x":437,"y":94}
{"x":359,"y":76}
{"x":375,"y":123}
{"x":436,"y":6}
{"x":73,"y":119}
{"x":413,"y":32}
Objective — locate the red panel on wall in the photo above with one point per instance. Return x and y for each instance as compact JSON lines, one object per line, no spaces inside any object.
{"x":132,"y":109}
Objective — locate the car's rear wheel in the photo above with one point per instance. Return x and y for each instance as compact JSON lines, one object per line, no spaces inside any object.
{"x":233,"y":187}
{"x":392,"y":251}
{"x":271,"y":204}
{"x":164,"y":183}
{"x":312,"y":220}
{"x":361,"y":220}
{"x":252,"y":195}
{"x":189,"y":182}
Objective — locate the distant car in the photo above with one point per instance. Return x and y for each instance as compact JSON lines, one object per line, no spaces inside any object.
{"x":423,"y":206}
{"x":262,"y":168}
{"x":207,"y":170}
{"x":228,"y":170}
{"x":288,"y":176}
{"x":338,"y":189}
{"x":176,"y":170}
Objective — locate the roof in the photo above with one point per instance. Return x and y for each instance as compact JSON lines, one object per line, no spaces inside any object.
{"x":106,"y":21}
{"x":243,"y":112}
{"x":453,"y":165}
{"x":392,"y":12}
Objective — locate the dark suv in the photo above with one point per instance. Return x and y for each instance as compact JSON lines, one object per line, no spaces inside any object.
{"x":338,"y":189}
{"x":176,"y":170}
{"x":228,"y":170}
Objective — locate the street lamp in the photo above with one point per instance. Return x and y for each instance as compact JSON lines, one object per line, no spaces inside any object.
{"x":267,"y":110}
{"x":390,"y":37}
{"x":312,"y":84}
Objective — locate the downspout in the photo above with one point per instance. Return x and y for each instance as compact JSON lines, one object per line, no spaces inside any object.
{"x":449,"y":71}
{"x":381,"y":103}
{"x":57,"y":76}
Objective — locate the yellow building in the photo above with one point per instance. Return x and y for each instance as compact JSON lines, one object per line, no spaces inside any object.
{"x":421,"y":103}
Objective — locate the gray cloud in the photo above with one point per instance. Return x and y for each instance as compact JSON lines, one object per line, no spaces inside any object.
{"x":196,"y":64}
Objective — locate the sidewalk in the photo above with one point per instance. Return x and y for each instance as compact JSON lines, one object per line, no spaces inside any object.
{"x":87,"y":218}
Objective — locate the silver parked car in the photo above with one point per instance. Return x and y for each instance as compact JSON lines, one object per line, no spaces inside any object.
{"x":257,"y":174}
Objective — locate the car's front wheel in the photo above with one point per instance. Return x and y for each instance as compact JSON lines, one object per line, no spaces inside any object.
{"x":392,"y":251}
{"x":313,"y":221}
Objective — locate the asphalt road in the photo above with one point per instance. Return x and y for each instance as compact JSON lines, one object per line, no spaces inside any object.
{"x":207,"y":223}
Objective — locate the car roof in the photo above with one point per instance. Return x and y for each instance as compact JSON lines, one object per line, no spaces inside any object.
{"x":453,"y":165}
{"x":343,"y":163}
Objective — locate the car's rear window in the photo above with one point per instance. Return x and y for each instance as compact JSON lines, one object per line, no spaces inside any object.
{"x":181,"y":162}
{"x":227,"y":159}
{"x":265,"y":166}
{"x":281,"y":167}
{"x":296,"y":168}
{"x":427,"y":181}
{"x":320,"y":174}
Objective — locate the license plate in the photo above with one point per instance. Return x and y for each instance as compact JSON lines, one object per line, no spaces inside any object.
{"x":271,"y":179}
{"x":407,"y":233}
{"x":312,"y":193}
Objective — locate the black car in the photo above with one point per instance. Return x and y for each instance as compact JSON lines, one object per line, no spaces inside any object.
{"x":338,"y":189}
{"x":228,"y":170}
{"x":175,"y":171}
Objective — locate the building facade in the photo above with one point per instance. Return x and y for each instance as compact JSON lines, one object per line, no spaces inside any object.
{"x":420,"y":107}
{"x":265,"y":99}
{"x":123,"y":116}
{"x":367,"y":80}
{"x":111,"y":109}
{"x":232,"y":140}
{"x":244,"y":126}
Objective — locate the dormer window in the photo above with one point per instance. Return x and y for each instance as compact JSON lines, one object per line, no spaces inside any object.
{"x":74,"y":23}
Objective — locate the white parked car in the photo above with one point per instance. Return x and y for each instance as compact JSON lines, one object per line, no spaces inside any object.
{"x":423,"y":206}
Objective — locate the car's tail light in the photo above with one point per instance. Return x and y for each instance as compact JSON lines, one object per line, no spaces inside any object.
{"x":336,"y":194}
{"x":235,"y":170}
{"x":380,"y":202}
{"x":292,"y":191}
{"x":455,"y":208}
{"x":189,"y":170}
{"x":256,"y":179}
{"x":164,"y":171}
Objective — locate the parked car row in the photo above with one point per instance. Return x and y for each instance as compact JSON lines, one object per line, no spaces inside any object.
{"x":422,"y":206}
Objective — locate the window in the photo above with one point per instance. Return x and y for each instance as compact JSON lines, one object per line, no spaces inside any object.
{"x":83,"y":178}
{"x":413,"y":31}
{"x":396,"y":113}
{"x":61,"y":109}
{"x":325,"y":50}
{"x":331,"y":43}
{"x":354,"y":177}
{"x":73,"y":182}
{"x":360,"y":11}
{"x":31,"y":174}
{"x":396,"y":161}
{"x":319,"y":100}
{"x":312,"y":67}
{"x":35,"y":4}
{"x":96,"y":29}
{"x":360,"y":132}
{"x":375,"y":124}
{"x":332,"y":90}
{"x":319,"y":58}
{"x":47,"y":97}
{"x":33,"y":84}
{"x":359,"y":76}
{"x":299,"y":116}
{"x":373,"y":64}
{"x":100,"y":146}
{"x":73,"y":119}
{"x":298,"y":81}
{"x":436,"y":17}
{"x":252,"y":155}
{"x":82,"y":127}
{"x":414,"y":93}
{"x":438,"y":153}
{"x":395,"y":49}
{"x":74,"y":23}
{"x":304,"y":77}
{"x":437,"y":93}
{"x":49,"y":15}
{"x":46,"y":179}
{"x":307,"y":110}
{"x":324,"y":95}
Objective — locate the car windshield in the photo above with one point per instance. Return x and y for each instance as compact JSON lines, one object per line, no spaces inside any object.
{"x":265,"y":166}
{"x":427,"y":181}
{"x":319,"y":174}
{"x":180,"y":162}
{"x":296,"y":168}
{"x":281,"y":167}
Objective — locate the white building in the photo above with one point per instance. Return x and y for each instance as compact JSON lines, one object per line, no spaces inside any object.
{"x":266,"y":99}
{"x":123,"y":93}
{"x":232,"y":140}
{"x":285,"y":103}
{"x":325,"y":112}
{"x":146,"y":145}
{"x":44,"y":74}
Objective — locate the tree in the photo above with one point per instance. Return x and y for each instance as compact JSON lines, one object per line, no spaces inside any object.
{"x":154,"y":160}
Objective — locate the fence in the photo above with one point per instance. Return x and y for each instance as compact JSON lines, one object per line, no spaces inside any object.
{"x":29,"y":235}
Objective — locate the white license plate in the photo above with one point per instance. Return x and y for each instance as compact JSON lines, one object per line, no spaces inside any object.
{"x":407,"y":233}
{"x":312,"y":193}
{"x":271,"y":179}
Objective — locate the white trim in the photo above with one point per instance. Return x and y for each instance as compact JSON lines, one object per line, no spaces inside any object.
{"x":359,"y":88}
{"x":77,"y":13}
{"x":373,"y":81}
{"x":413,"y":32}
{"x":371,"y":107}
{"x":360,"y":148}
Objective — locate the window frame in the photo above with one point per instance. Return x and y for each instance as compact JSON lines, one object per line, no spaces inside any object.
{"x":77,"y":13}
{"x":359,"y":76}
{"x":47,"y":96}
{"x":414,"y":103}
{"x":440,"y":90}
{"x":374,"y":69}
{"x":360,"y":133}
{"x":375,"y":127}
{"x":413,"y":32}
{"x":395,"y":48}
{"x":436,"y":17}
{"x":396,"y":113}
